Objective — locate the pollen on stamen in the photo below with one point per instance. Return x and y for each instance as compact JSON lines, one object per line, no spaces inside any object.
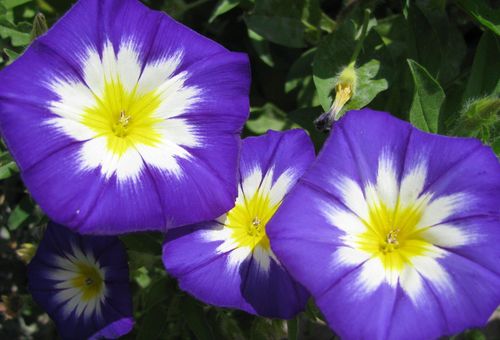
{"x":255,"y":228}
{"x":120,"y":127}
{"x":391,"y":242}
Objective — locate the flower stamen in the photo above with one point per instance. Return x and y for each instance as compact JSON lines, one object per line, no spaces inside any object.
{"x":255,"y":228}
{"x":121,"y":126}
{"x":391,"y":241}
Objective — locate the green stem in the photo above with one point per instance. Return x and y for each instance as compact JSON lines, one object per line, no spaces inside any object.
{"x":293,"y":328}
{"x":195,"y":4}
{"x":362,"y":36}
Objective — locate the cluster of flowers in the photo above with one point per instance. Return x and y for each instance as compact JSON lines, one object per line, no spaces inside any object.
{"x":123,"y":120}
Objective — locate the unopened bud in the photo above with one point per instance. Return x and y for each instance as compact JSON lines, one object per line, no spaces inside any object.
{"x":39,"y":26}
{"x":345,"y":88}
{"x":479,"y":118}
{"x":26,"y":252}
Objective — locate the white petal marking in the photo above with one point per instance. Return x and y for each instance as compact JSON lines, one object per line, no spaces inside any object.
{"x":109,"y":64}
{"x":441,"y":208}
{"x":95,"y":153}
{"x":412,"y":185}
{"x":411,"y":282}
{"x":251,"y":183}
{"x":179,"y":131}
{"x":74,"y":98}
{"x":164,"y":156}
{"x":262,"y":257}
{"x":159,"y":71}
{"x":434,"y":272}
{"x":176,"y":98}
{"x":69,"y":295}
{"x":387,"y":181}
{"x":238,"y":255}
{"x":127,"y":66}
{"x":352,"y":196}
{"x":447,"y":235}
{"x":370,"y":277}
{"x":93,"y":72}
{"x":348,"y":256}
{"x":281,"y":186}
{"x":71,"y":128}
{"x":344,"y":220}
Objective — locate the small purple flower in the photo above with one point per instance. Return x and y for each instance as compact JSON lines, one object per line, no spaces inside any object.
{"x":394,"y":231}
{"x":228,"y":262}
{"x":122,"y":119}
{"x":82,"y":282}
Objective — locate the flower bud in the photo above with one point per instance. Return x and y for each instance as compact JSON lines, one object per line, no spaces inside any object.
{"x":39,"y":26}
{"x":26,"y":252}
{"x":479,"y":118}
{"x":345,"y":88}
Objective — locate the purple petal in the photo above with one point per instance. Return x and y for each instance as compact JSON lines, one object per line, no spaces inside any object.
{"x":215,"y":267}
{"x":341,"y":231}
{"x":52,"y":274}
{"x":186,"y":95}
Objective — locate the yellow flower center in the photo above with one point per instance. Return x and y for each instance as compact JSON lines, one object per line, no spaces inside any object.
{"x":124,"y":118}
{"x":248,"y":220}
{"x":89,"y":280}
{"x":392,"y":235}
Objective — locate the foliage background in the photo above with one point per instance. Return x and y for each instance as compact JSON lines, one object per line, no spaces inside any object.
{"x":435,"y":63}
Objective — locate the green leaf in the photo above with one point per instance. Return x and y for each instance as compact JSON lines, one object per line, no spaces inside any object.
{"x":300,"y":79}
{"x":153,"y":323}
{"x":192,"y":310}
{"x":279,"y":30}
{"x":13,"y":55}
{"x":496,"y":146}
{"x":140,"y":260}
{"x":482,"y":13}
{"x":16,"y":33}
{"x":142,"y":277}
{"x":222,"y":7}
{"x":267,"y":329}
{"x":282,"y":22}
{"x":268,"y":117}
{"x":156,"y":293}
{"x":149,"y":243}
{"x":368,"y":85}
{"x":326,"y":23}
{"x":14,"y":3}
{"x":474,"y":334}
{"x":428,"y":98}
{"x":484,"y":78}
{"x":392,"y":32}
{"x":19,"y":214}
{"x":8,"y":170}
{"x":300,"y":69}
{"x":261,"y":46}
{"x":434,"y":42}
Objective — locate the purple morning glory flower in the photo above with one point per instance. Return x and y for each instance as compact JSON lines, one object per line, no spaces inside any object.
{"x":82,"y":282}
{"x":122,"y":119}
{"x":394,"y":231}
{"x":228,"y":262}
